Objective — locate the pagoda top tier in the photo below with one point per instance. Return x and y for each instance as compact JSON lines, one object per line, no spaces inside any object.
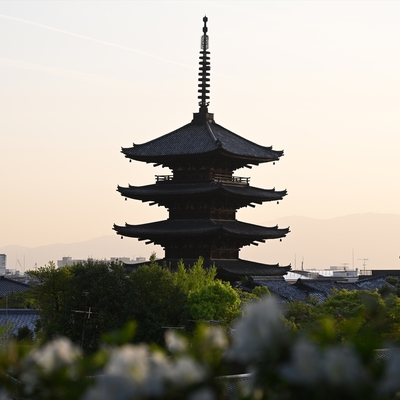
{"x":202,"y":137}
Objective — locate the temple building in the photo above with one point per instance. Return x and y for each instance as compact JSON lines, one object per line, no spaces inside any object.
{"x":202,"y":194}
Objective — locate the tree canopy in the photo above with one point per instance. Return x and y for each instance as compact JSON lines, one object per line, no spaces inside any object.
{"x":84,"y":300}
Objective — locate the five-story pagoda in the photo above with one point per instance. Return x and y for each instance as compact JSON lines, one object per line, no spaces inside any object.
{"x":202,"y":194}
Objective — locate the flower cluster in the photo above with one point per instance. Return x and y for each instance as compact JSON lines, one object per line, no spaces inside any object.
{"x":282,"y":366}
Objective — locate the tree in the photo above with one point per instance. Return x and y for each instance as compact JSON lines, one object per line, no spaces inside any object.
{"x":215,"y":301}
{"x":164,"y":298}
{"x":85,"y":300}
{"x":98,"y":301}
{"x":50,"y":295}
{"x":156,"y":301}
{"x":81,"y":301}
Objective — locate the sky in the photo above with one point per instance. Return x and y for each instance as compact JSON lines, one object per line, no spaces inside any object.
{"x":80,"y":80}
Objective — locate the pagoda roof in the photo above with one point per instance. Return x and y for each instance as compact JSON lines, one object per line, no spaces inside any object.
{"x":173,"y":228}
{"x":202,"y":138}
{"x":226,"y":269}
{"x":241,"y":267}
{"x":167,"y":190}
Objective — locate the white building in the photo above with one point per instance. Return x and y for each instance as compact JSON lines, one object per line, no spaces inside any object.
{"x":69,"y":261}
{"x":3,"y":262}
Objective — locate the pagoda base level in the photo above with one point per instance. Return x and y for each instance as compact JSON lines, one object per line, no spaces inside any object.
{"x":227,"y":270}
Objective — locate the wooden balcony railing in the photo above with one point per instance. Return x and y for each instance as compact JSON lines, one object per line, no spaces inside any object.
{"x":164,"y":178}
{"x":233,"y":180}
{"x":236,"y":180}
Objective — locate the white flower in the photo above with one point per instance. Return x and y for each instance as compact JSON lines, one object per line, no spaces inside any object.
{"x":391,"y":380}
{"x":305,"y":367}
{"x":131,"y":372}
{"x":185,"y":371}
{"x":215,"y":337}
{"x":176,"y":343}
{"x":259,"y":330}
{"x":132,"y":361}
{"x":54,"y":355}
{"x":135,"y":372}
{"x":343,"y":367}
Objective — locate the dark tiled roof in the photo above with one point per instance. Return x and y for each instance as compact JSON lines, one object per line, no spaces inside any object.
{"x":284,"y":290}
{"x":166,"y":190}
{"x":195,"y":227}
{"x":324,"y":286}
{"x":13,"y":319}
{"x":201,"y":138}
{"x":247,"y":268}
{"x":227,"y":269}
{"x":372,"y":283}
{"x":10,"y":286}
{"x":304,"y":288}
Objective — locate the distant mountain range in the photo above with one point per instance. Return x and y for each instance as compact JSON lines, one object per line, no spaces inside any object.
{"x":103,"y":247}
{"x":322,"y":243}
{"x":317,"y":243}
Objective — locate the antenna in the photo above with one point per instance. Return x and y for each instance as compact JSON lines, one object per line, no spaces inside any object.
{"x":364,"y":262}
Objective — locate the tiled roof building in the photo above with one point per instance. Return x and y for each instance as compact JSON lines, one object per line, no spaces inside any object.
{"x":13,"y":319}
{"x":303,"y":289}
{"x":202,"y":195}
{"x":8,"y":286}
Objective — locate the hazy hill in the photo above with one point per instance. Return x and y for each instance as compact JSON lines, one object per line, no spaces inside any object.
{"x":98,"y":248}
{"x":331,"y":242}
{"x":320,"y":243}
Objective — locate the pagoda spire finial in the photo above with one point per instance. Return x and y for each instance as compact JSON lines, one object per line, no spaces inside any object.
{"x":204,"y":71}
{"x":204,"y":80}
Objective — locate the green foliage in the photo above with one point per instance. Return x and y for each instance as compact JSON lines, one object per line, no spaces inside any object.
{"x":85,"y":300}
{"x":122,"y":336}
{"x":163,"y":298}
{"x":50,"y":295}
{"x":298,"y":314}
{"x":215,"y":301}
{"x":156,"y":301}
{"x":80,"y":301}
{"x":100,"y":288}
{"x":196,"y":277}
{"x":16,"y":300}
{"x":24,"y":334}
{"x":362,"y":317}
{"x":261,"y":291}
{"x":352,"y":315}
{"x":207,"y":298}
{"x":283,"y":366}
{"x":393,"y":287}
{"x":391,"y":327}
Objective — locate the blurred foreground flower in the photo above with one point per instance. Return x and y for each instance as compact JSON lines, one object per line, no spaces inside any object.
{"x":258,"y":332}
{"x":135,"y":372}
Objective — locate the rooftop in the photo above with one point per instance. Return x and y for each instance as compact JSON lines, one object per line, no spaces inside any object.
{"x":201,"y":139}
{"x":193,"y":227}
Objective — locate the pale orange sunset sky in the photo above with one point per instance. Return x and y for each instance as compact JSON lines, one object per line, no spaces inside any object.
{"x":79,"y":80}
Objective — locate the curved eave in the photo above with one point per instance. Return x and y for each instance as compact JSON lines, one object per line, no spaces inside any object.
{"x":172,"y":159}
{"x":236,"y":268}
{"x":203,"y":139}
{"x":251,"y":268}
{"x":177,"y":228}
{"x":168,"y":191}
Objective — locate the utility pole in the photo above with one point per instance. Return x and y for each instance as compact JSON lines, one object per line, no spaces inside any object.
{"x":88,"y":312}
